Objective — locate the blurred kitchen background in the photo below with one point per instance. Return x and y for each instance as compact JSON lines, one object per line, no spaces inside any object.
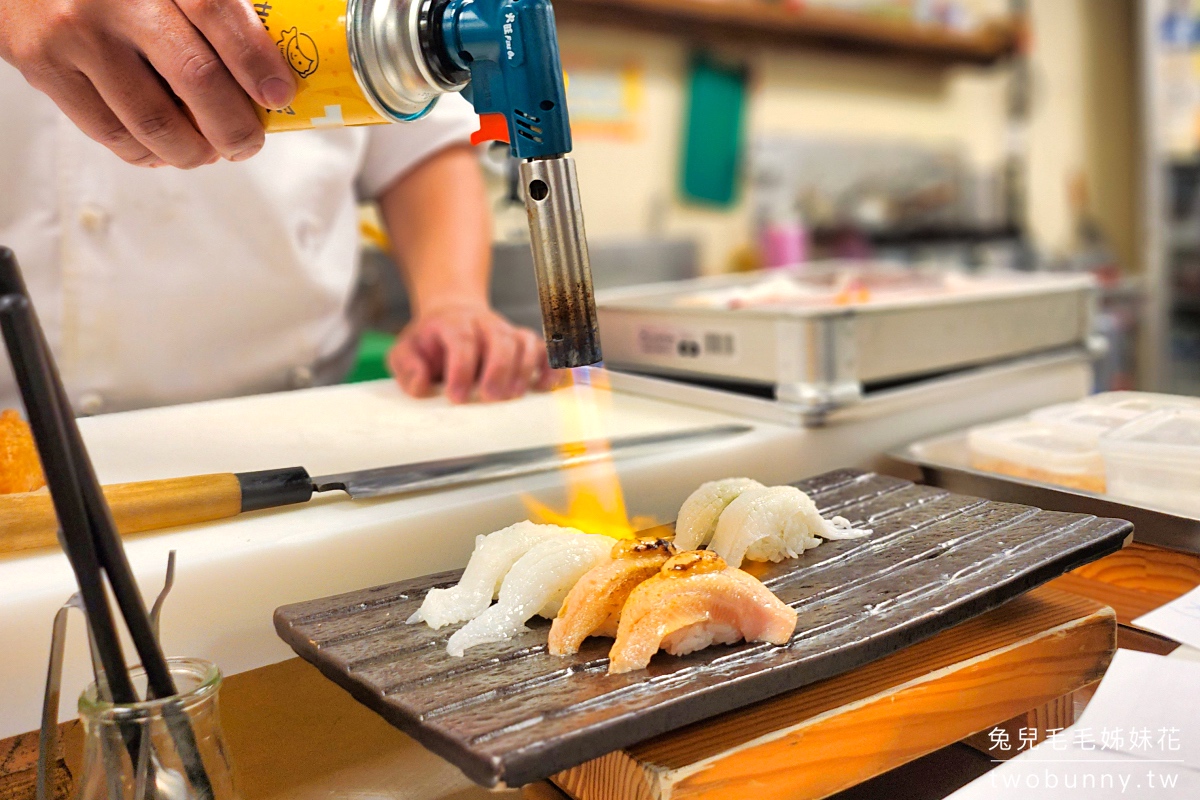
{"x":717,"y":136}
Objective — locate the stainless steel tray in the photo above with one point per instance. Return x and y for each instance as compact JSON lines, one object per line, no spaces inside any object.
{"x":944,"y":461}
{"x":820,"y":357}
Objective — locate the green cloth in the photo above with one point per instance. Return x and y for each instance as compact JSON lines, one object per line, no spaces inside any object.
{"x":713,"y":135}
{"x":371,"y":362}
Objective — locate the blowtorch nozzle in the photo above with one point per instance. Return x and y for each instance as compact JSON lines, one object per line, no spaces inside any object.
{"x":509,"y":51}
{"x":560,"y":259}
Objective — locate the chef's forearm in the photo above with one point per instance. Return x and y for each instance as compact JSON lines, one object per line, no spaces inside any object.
{"x":440,"y":227}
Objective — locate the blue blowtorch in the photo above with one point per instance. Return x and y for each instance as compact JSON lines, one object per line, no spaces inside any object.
{"x":502,"y":55}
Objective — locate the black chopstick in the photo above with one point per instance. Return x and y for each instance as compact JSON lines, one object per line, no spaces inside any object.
{"x":92,"y":525}
{"x":41,"y":406}
{"x":40,"y":370}
{"x":111,"y":552}
{"x":16,"y":322}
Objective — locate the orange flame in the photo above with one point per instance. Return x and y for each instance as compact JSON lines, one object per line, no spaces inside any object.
{"x":595,"y":500}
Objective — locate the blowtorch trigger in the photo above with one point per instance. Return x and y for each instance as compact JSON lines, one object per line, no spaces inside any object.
{"x":492,"y":128}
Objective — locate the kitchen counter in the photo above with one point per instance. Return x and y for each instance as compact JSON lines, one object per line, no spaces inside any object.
{"x":232,"y":574}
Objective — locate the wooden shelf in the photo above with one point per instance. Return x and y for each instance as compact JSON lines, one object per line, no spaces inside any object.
{"x":762,"y":23}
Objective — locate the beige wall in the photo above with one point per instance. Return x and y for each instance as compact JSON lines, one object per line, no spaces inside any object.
{"x":1084,"y":119}
{"x":629,"y":187}
{"x":1111,"y":123}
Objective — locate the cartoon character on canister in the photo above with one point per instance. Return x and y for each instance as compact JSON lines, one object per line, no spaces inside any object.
{"x":300,"y":50}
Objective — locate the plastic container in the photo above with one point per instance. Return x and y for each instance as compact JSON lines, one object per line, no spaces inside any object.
{"x":1084,"y":422}
{"x":1155,"y":460}
{"x":1033,"y":451}
{"x":1141,"y":402}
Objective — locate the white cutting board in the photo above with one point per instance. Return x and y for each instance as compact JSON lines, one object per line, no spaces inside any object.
{"x":358,"y":426}
{"x":232,"y":575}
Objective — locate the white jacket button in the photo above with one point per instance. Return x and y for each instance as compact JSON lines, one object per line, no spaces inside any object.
{"x":94,"y":219}
{"x":90,"y":404}
{"x":301,"y":378}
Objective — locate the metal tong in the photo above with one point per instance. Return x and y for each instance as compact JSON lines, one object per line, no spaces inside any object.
{"x":48,"y":736}
{"x":86,"y":529}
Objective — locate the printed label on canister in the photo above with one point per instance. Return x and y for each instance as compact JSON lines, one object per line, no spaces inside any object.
{"x":311,"y":34}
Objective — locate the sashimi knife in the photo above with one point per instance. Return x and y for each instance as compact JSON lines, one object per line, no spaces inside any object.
{"x":27,"y":521}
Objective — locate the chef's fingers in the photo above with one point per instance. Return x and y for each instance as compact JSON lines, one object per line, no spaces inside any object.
{"x":522,"y":375}
{"x":533,"y":353}
{"x":75,"y":96}
{"x":546,"y":378}
{"x":410,"y":368}
{"x":137,"y":98}
{"x":501,"y":348}
{"x":248,"y":51}
{"x":196,"y":74}
{"x":429,"y":346}
{"x":461,"y":345}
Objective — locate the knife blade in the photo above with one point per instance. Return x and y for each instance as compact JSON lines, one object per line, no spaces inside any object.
{"x":445,"y":472}
{"x":27,"y":521}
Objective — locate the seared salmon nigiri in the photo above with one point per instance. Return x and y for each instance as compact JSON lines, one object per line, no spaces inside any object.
{"x":696,"y":600}
{"x":594,"y":604}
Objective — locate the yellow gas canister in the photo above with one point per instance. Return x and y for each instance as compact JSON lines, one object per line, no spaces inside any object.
{"x":357,"y":62}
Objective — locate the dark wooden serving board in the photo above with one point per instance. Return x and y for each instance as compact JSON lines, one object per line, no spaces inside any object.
{"x":511,"y":713}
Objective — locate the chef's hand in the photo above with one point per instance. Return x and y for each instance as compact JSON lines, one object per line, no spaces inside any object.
{"x":466,"y":347}
{"x":112,"y":65}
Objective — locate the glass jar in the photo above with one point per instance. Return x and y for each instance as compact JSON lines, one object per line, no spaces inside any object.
{"x":166,"y":749}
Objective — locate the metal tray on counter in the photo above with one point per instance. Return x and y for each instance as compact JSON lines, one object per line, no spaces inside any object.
{"x":511,"y":713}
{"x":944,"y":461}
{"x":820,"y":352}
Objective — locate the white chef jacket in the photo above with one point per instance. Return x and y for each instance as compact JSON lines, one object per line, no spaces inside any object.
{"x":159,"y":286}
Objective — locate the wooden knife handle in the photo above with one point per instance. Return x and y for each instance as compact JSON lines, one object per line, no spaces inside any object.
{"x":28,"y":521}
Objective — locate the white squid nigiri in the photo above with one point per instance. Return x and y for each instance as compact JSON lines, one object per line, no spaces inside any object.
{"x":772,"y":524}
{"x":697,"y":520}
{"x":537,"y":584}
{"x":494,"y":555}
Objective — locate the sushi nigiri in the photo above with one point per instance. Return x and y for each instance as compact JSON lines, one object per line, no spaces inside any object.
{"x":772,"y":524}
{"x":696,"y":600}
{"x":593,"y":606}
{"x":537,"y":584}
{"x":697,"y":520}
{"x":493,"y":557}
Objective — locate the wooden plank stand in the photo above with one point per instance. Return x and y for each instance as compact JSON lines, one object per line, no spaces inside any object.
{"x":818,"y":740}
